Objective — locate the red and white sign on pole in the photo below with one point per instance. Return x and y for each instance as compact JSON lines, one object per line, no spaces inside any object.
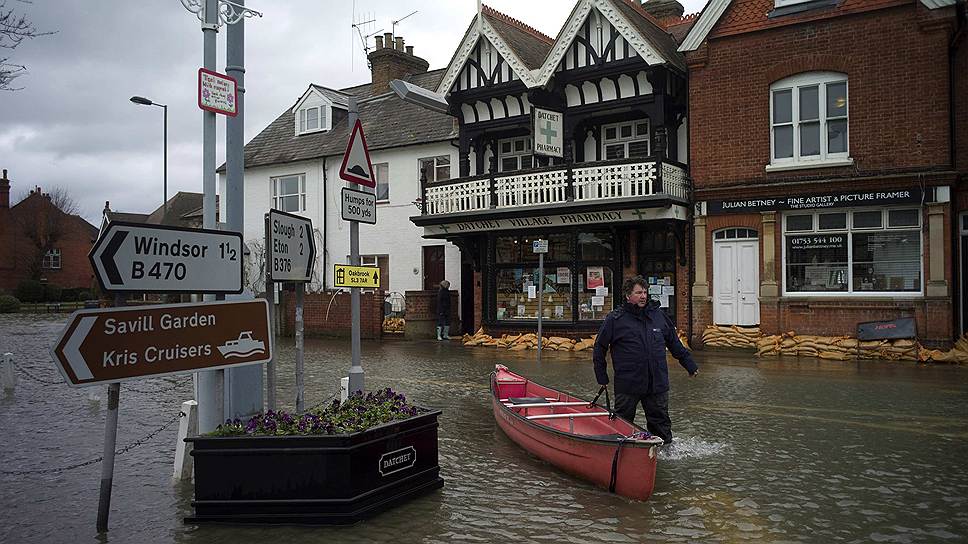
{"x":357,"y":167}
{"x":217,"y":93}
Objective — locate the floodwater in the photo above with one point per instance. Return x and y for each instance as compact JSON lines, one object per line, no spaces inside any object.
{"x":790,"y":450}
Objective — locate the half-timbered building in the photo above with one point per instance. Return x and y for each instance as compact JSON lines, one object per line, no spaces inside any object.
{"x":579,"y":140}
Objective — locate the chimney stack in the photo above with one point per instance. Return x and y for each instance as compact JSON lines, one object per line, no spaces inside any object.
{"x":662,"y":9}
{"x":4,"y":191}
{"x":392,"y":59}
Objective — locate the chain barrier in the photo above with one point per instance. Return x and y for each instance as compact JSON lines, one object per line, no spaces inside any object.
{"x":127,"y":387}
{"x":30,"y":376}
{"x":119,"y":451}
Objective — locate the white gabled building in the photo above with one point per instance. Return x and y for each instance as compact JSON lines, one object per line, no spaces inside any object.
{"x":293,"y":165}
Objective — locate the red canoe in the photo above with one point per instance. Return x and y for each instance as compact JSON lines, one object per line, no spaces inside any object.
{"x":575,"y":436}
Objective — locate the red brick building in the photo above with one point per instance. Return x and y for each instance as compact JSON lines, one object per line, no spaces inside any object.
{"x":823,"y":158}
{"x":39,"y":241}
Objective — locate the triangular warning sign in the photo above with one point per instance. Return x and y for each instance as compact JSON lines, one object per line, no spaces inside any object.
{"x":357,"y":167}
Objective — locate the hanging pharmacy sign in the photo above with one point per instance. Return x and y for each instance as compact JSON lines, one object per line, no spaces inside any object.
{"x":217,"y":93}
{"x":549,"y":129}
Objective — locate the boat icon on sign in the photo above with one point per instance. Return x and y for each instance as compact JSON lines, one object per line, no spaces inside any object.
{"x":244,"y":346}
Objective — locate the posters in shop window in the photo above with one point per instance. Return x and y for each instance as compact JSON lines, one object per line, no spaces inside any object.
{"x":595,"y":277}
{"x":564,"y":275}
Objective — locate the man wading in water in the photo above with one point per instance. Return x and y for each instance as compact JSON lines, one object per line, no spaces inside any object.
{"x":638,"y":334}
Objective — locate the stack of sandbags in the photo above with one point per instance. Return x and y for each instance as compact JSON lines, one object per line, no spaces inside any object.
{"x":838,"y":348}
{"x":957,"y":354}
{"x":732,"y":336}
{"x":521,"y":342}
{"x":683,"y":339}
{"x":393,"y":324}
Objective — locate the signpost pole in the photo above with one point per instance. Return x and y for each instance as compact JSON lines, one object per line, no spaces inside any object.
{"x":540,"y":297}
{"x":110,"y":442}
{"x":107,"y":467}
{"x":300,"y":396}
{"x":271,"y":297}
{"x":356,"y":369}
{"x":210,"y":407}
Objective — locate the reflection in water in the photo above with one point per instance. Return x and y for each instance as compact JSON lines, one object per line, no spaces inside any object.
{"x":780,"y":450}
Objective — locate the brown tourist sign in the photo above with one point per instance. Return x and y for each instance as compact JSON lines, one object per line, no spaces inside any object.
{"x":120,"y":344}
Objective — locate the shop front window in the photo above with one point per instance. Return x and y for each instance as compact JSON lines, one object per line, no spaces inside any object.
{"x":859,"y":252}
{"x":577,"y":275}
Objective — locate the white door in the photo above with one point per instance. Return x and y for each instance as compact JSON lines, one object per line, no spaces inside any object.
{"x":736,"y":282}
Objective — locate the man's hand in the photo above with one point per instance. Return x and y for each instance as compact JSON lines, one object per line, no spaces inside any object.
{"x":694,"y":374}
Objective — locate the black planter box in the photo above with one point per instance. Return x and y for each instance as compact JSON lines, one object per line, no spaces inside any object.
{"x":335,"y":479}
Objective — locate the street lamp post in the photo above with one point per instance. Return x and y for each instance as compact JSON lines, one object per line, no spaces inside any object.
{"x":146,"y":102}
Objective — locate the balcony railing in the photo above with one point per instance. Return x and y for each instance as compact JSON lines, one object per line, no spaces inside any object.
{"x":581,"y":182}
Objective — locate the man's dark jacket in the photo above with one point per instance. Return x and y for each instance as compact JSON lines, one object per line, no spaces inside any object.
{"x":638,"y":338}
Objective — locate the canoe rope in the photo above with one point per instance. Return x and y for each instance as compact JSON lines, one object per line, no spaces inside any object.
{"x":608,"y":402}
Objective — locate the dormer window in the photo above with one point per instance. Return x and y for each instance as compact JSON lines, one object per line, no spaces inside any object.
{"x":313,"y":112}
{"x":312,"y":119}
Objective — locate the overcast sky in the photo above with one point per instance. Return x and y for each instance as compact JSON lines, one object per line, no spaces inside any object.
{"x":73,"y":125}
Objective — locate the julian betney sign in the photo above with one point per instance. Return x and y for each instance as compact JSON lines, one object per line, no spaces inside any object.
{"x":119,"y":344}
{"x":834,"y":200}
{"x":549,"y":132}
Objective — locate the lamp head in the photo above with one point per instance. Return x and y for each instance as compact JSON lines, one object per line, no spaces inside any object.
{"x":141,"y":100}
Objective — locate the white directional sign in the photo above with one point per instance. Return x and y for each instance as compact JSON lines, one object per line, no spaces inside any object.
{"x":358,"y":206}
{"x":291,"y":245}
{"x":161,"y":259}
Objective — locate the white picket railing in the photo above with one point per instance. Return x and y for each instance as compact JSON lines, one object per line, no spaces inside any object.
{"x":464,"y":196}
{"x":529,"y":189}
{"x":674,"y":181}
{"x":593,"y":182}
{"x":615,"y":181}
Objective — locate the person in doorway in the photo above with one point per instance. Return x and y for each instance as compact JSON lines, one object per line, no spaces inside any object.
{"x":638,"y":334}
{"x":443,"y":311}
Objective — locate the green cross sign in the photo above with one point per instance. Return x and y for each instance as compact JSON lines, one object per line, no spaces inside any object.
{"x":639,"y":214}
{"x":548,"y":132}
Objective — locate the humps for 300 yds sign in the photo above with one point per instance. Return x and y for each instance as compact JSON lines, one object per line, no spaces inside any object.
{"x":119,"y":344}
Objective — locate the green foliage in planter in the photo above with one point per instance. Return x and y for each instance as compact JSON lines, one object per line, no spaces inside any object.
{"x":9,"y":304}
{"x":358,"y":413}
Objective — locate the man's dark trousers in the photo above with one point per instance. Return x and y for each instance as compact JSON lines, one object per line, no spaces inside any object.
{"x":656,"y":408}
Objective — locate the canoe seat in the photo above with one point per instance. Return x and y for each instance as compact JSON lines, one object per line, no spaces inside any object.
{"x":527,"y":400}
{"x":568,"y":416}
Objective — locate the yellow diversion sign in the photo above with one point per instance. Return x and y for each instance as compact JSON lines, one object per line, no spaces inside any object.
{"x":356,"y":276}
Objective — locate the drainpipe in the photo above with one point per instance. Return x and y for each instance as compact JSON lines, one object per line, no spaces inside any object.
{"x":325,"y":230}
{"x":952,"y":53}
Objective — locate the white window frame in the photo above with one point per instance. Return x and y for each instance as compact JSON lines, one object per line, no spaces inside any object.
{"x":433,"y":173}
{"x":376,"y":174}
{"x":848,"y":231}
{"x":313,"y":100}
{"x":274,"y":192}
{"x":528,"y":151}
{"x":794,"y":84}
{"x":52,"y":260}
{"x":634,"y":138}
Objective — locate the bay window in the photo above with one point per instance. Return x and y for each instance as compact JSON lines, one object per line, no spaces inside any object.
{"x":861,"y":252}
{"x":626,"y":140}
{"x":515,"y":154}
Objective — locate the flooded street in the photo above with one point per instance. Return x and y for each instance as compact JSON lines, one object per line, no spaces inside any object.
{"x":766,"y":451}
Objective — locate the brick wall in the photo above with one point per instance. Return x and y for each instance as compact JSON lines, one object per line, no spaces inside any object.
{"x":17,"y":252}
{"x":324,"y":315}
{"x":897,"y":94}
{"x":422,"y":306}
